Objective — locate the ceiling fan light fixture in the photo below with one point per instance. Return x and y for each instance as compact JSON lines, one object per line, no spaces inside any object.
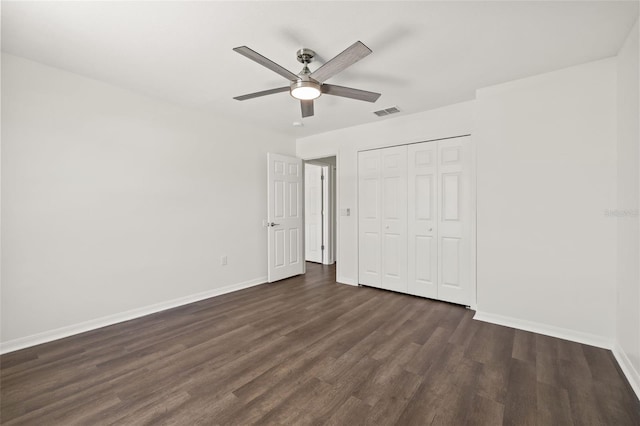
{"x":305,"y":90}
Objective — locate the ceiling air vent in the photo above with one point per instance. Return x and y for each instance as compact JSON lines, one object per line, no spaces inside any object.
{"x":386,"y":111}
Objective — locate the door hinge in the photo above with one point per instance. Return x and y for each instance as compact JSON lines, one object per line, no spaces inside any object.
{"x":321,"y":177}
{"x":322,"y":247}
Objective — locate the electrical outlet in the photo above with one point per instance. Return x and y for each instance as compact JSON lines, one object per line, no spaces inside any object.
{"x":223,"y":260}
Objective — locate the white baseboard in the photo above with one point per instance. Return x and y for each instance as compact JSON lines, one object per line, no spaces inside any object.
{"x":627,"y":368}
{"x":348,"y":281}
{"x":547,"y":330}
{"x":59,"y":333}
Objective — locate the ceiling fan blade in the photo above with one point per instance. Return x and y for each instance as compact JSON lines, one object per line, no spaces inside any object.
{"x":267,"y":63}
{"x":348,"y":57}
{"x":263,"y":93}
{"x":307,"y":108}
{"x":348,"y":92}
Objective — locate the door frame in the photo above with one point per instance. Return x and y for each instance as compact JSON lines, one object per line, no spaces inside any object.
{"x":329,"y":258}
{"x":320,"y":169}
{"x":334,"y":171}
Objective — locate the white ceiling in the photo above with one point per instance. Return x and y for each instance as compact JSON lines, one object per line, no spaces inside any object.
{"x":425,"y":54}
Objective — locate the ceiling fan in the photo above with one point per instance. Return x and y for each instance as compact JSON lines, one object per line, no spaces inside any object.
{"x":307,"y":85}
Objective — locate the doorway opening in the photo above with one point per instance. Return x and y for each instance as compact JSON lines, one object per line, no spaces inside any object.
{"x":320,"y":210}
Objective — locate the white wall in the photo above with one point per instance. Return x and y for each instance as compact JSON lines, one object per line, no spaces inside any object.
{"x":444,"y":122}
{"x":114,"y":204}
{"x":628,"y":302}
{"x":546,"y":174}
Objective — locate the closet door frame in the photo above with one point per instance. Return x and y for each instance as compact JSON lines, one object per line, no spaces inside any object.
{"x":472,"y":264}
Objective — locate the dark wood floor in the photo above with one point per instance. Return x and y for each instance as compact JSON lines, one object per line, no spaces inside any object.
{"x":307,"y":350}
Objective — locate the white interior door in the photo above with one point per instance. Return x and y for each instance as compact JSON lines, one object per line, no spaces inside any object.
{"x":313,"y":204}
{"x":455,"y":221}
{"x":285,"y":232}
{"x":422,"y":224}
{"x":333,"y":207}
{"x":329,"y":214}
{"x":369,"y":224}
{"x":394,"y":219}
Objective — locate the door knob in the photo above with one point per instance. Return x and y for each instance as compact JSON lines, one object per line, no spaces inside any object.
{"x":273,"y":224}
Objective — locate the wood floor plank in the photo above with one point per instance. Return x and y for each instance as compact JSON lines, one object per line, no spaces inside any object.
{"x":322,"y":409}
{"x":399,"y":392}
{"x":582,"y":398}
{"x":353,"y":412}
{"x":430,"y":322}
{"x":300,"y":365}
{"x":492,"y":344}
{"x":295,"y":408}
{"x":466,"y":330}
{"x":69,"y":410}
{"x":307,"y":350}
{"x":521,"y":405}
{"x":349,"y":359}
{"x":401,"y":339}
{"x":458,"y":394}
{"x":430,"y":351}
{"x":485,"y":412}
{"x":548,"y":369}
{"x":524,"y":346}
{"x":151,"y":411}
{"x":445,"y":395}
{"x":197,"y":410}
{"x":553,"y":405}
{"x":256,"y":406}
{"x":412,"y":308}
{"x":452,"y":317}
{"x":493,"y":382}
{"x":375,"y":387}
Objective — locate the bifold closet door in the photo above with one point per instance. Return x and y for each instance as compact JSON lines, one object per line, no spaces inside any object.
{"x":455,"y":215}
{"x":382,"y":206}
{"x":416,"y":219}
{"x":369,"y":218}
{"x":422,"y":223}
